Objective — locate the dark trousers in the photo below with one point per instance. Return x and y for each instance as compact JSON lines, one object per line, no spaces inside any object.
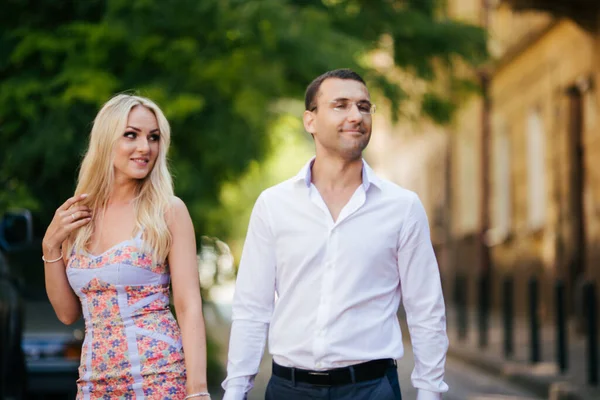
{"x":386,"y":388}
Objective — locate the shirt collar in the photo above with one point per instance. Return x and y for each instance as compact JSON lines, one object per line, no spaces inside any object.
{"x":368,"y":175}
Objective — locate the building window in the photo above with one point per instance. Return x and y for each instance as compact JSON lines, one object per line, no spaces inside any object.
{"x":536,"y":171}
{"x":501,"y":185}
{"x":468,"y":183}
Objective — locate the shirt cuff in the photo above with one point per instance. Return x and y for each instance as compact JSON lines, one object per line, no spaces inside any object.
{"x":235,"y":393}
{"x":426,"y":395}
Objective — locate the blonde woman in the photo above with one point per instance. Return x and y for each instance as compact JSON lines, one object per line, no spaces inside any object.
{"x":110,"y":253}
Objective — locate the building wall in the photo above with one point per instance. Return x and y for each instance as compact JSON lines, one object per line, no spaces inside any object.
{"x":537,"y":58}
{"x":528,"y":95}
{"x":593,"y":151}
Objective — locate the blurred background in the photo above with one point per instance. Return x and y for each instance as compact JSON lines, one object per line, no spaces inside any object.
{"x":488,"y":109}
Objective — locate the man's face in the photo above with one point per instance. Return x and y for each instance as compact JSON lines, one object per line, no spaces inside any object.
{"x":337,"y":124}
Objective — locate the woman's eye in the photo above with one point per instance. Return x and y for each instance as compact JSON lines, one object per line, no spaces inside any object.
{"x":130,"y":135}
{"x":155,"y":138}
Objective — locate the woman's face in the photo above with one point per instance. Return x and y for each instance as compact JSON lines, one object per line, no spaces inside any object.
{"x":136,"y":150}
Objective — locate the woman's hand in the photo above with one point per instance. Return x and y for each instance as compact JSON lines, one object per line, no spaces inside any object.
{"x":65,"y":221}
{"x":68,"y":217}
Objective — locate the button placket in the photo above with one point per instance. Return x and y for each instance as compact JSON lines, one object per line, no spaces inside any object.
{"x":319,"y":348}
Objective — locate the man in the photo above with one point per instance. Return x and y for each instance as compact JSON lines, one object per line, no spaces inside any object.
{"x":339,"y":248}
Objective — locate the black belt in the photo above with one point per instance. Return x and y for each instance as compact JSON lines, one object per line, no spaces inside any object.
{"x":339,"y":376}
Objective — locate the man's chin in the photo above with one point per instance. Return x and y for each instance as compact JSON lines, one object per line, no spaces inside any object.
{"x":352,"y":153}
{"x":358,"y":144}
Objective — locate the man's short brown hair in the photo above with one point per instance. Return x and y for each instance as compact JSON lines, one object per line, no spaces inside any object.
{"x":313,"y":89}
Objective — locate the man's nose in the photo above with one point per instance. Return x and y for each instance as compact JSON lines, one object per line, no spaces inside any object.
{"x":354,"y":114}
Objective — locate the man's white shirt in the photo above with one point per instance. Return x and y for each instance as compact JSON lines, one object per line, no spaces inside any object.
{"x":328,"y":292}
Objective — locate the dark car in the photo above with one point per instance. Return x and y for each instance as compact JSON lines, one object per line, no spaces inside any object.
{"x":15,"y":233}
{"x":52,"y":351}
{"x":40,"y":355}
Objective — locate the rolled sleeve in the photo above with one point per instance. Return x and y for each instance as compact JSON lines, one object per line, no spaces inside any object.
{"x":235,"y":393}
{"x":427,"y":395}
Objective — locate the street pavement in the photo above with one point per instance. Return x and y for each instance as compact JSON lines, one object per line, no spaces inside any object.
{"x":544,"y":377}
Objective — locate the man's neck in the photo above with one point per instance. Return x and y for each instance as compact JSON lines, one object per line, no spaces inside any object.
{"x":334,"y":174}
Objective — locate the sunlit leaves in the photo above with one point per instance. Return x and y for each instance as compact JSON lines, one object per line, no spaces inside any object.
{"x":216,"y":67}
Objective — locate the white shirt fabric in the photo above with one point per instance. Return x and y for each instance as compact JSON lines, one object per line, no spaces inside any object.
{"x":328,"y":292}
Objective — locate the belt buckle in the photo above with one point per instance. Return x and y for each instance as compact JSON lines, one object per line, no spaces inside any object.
{"x":323,"y":375}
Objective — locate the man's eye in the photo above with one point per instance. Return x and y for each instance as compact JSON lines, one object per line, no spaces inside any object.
{"x":364,"y":108}
{"x":341,"y":105}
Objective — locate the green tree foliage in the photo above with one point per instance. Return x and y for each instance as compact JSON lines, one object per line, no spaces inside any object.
{"x":215,"y":66}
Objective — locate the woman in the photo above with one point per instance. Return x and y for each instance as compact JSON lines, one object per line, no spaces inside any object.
{"x":110,"y":253}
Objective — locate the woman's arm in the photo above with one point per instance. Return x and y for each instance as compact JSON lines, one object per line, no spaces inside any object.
{"x":61,"y":296}
{"x":186,"y":295}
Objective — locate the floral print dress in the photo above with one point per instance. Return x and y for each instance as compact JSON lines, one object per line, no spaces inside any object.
{"x":132,"y":347}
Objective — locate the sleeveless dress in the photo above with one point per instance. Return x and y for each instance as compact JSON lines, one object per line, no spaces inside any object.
{"x":132,"y":347}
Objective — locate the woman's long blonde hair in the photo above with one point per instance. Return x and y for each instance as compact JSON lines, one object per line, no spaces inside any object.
{"x":96,"y":176}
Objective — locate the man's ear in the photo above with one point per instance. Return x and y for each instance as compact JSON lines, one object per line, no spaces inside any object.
{"x":309,"y":122}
